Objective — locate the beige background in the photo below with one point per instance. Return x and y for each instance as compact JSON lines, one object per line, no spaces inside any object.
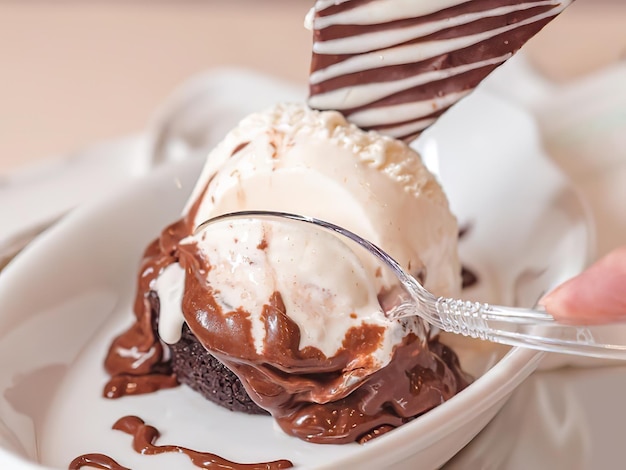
{"x":74,"y":72}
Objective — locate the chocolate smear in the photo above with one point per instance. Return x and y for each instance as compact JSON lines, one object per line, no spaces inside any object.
{"x":145,"y":436}
{"x":99,"y":461}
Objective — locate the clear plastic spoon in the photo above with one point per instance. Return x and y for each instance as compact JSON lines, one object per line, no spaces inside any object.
{"x":405,"y":297}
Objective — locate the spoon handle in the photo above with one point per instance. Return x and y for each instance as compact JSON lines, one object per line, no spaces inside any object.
{"x":535,"y":329}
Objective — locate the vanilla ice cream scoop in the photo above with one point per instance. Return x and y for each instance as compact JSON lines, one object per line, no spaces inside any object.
{"x":293,"y":159}
{"x":313,"y":163}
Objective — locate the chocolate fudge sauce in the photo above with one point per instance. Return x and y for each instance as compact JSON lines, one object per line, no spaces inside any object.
{"x":145,"y":436}
{"x":135,"y":360}
{"x":100,"y":461}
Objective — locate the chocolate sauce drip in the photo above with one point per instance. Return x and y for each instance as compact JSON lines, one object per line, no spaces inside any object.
{"x":145,"y":436}
{"x":317,"y":398}
{"x":414,"y":382}
{"x":135,"y":360}
{"x":373,"y":434}
{"x":100,"y":461}
{"x":129,"y":384}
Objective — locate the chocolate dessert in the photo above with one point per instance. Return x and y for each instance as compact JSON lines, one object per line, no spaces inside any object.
{"x":331,"y":371}
{"x":318,"y":352}
{"x":196,"y":367}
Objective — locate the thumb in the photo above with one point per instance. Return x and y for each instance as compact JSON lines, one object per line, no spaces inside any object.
{"x":598,"y":295}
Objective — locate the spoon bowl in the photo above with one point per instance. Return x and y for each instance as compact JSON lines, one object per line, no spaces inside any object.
{"x":401,"y":295}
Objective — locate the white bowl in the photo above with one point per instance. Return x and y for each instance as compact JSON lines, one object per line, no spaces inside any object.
{"x":69,"y":293}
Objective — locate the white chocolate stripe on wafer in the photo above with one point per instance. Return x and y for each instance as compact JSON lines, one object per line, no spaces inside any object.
{"x":324,"y":4}
{"x":369,"y":42}
{"x":402,"y":130}
{"x":416,"y":52}
{"x":404,"y":112}
{"x":382,"y":11}
{"x":360,"y":95}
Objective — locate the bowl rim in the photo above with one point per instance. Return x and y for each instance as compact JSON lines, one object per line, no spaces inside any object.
{"x":495,"y":384}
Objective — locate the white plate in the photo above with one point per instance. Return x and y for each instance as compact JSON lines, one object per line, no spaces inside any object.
{"x":64,"y":299}
{"x":570,"y":418}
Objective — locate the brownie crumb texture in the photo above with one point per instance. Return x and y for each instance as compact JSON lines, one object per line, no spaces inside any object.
{"x":195,"y":367}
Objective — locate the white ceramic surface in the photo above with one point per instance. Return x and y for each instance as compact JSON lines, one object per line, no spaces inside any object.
{"x":571,"y":418}
{"x":37,"y":195}
{"x":64,"y":298}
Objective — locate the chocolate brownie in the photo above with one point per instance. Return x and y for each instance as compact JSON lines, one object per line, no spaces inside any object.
{"x":195,"y":367}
